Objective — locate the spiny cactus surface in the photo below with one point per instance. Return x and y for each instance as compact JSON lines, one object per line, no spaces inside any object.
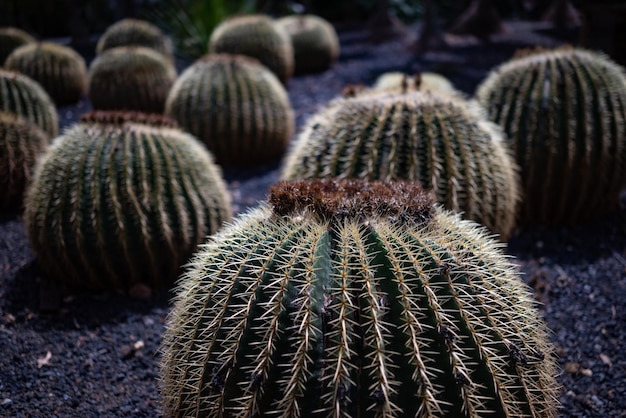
{"x":564,"y":113}
{"x":10,"y":39}
{"x":130,"y":78}
{"x":395,"y":81}
{"x":136,"y":32}
{"x":314,"y":40}
{"x":256,"y":36}
{"x":21,"y":143}
{"x":236,"y":106}
{"x":439,"y":141}
{"x":24,"y":97}
{"x":349,"y":298}
{"x":59,"y":69}
{"x":117,"y":204}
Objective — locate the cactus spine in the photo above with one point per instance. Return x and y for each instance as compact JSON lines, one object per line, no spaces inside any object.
{"x":60,"y":70}
{"x":136,"y":32}
{"x":113,"y":205}
{"x":21,"y":143}
{"x":314,"y":40}
{"x":256,"y":36}
{"x":10,"y":39}
{"x":354,"y":299}
{"x":564,"y":112}
{"x":130,"y":78}
{"x":439,"y":141}
{"x":24,"y":97}
{"x":236,"y":106}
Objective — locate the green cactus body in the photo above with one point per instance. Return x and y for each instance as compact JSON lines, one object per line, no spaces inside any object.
{"x":114,"y":205}
{"x":397,"y":81}
{"x":564,"y":113}
{"x":10,"y":39}
{"x":24,"y":97}
{"x":314,"y":40}
{"x":349,"y":298}
{"x":256,"y":36}
{"x":236,"y":106}
{"x":60,"y":70}
{"x":437,"y":140}
{"x":130,"y":78}
{"x":136,"y":32}
{"x":21,"y":143}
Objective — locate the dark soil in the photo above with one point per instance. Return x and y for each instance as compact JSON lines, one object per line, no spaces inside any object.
{"x":68,"y":354}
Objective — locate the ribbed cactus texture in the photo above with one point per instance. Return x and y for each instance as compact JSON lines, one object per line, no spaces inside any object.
{"x":256,"y":36}
{"x":21,"y":143}
{"x":114,"y":205}
{"x":130,"y":78}
{"x":440,"y":141}
{"x":236,"y":106}
{"x":22,"y":96}
{"x":135,"y":32}
{"x":395,"y":81}
{"x":564,"y":113}
{"x":314,"y":40}
{"x":354,"y":299}
{"x":59,"y":69}
{"x":10,"y":39}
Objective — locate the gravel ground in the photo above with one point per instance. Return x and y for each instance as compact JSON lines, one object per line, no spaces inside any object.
{"x":70,"y":354}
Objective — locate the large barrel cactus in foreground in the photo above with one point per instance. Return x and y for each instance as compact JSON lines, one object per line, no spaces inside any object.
{"x":236,"y":106}
{"x":114,"y":205}
{"x":564,"y":112}
{"x":10,"y":39}
{"x":135,"y":32}
{"x":24,"y":97}
{"x":256,"y":36}
{"x":440,"y":141}
{"x":354,"y":299}
{"x":59,"y":69}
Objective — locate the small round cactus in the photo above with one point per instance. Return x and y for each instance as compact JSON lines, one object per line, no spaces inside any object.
{"x":21,"y":143}
{"x":236,"y":106}
{"x":440,"y":141}
{"x":564,"y":113}
{"x":113,"y":205}
{"x":395,"y":81}
{"x":135,"y":32}
{"x":256,"y":36}
{"x":350,"y":298}
{"x":130,"y":78}
{"x":314,"y":40}
{"x":10,"y":39}
{"x":59,"y":69}
{"x":24,"y":97}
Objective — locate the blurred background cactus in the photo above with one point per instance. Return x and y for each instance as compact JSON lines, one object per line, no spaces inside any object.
{"x":350,"y":298}
{"x":236,"y":106}
{"x":21,"y":143}
{"x":10,"y":39}
{"x":130,"y":78}
{"x":116,"y":204}
{"x":136,"y":32}
{"x":439,"y":141}
{"x":564,"y":113}
{"x":24,"y":97}
{"x":256,"y":36}
{"x":59,"y":69}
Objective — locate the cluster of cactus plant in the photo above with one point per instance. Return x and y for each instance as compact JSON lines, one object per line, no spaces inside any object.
{"x":314,"y":41}
{"x":136,"y":32}
{"x":396,"y":81}
{"x":564,"y":113}
{"x":256,"y":36}
{"x":236,"y":106}
{"x":130,"y":78}
{"x":440,"y":141}
{"x":353,"y":298}
{"x":59,"y":69}
{"x":114,"y":204}
{"x":24,"y":97}
{"x":10,"y":39}
{"x":21,"y":143}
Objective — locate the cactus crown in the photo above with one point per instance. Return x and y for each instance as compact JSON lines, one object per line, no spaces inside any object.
{"x":401,"y":83}
{"x":112,"y":117}
{"x":10,"y":39}
{"x":135,"y":32}
{"x":21,"y":95}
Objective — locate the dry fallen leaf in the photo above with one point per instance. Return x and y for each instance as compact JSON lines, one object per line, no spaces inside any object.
{"x":43,"y":361}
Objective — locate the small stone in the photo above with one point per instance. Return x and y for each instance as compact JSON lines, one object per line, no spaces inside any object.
{"x":140,"y":291}
{"x":6,"y":401}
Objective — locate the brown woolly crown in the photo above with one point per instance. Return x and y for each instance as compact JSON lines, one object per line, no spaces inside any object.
{"x":114,"y":117}
{"x":334,"y":199}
